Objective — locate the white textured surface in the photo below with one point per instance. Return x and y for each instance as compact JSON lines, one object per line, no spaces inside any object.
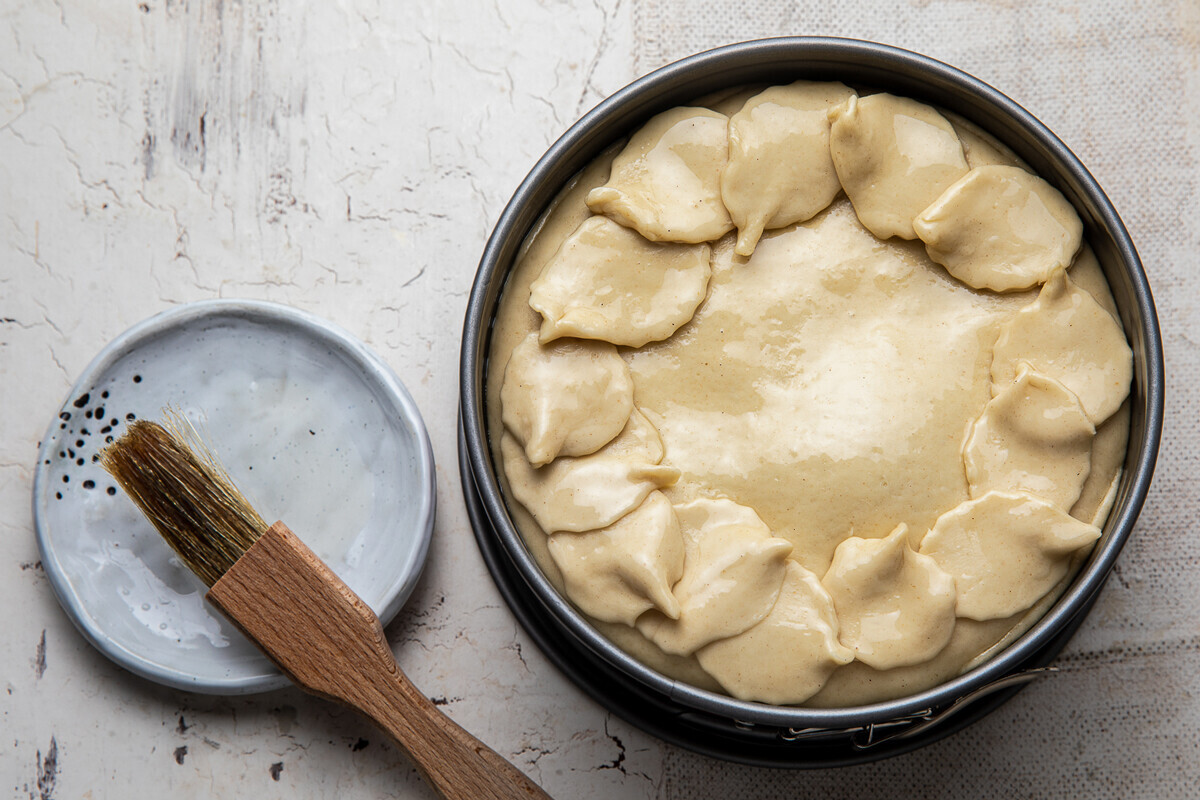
{"x":349,"y":159}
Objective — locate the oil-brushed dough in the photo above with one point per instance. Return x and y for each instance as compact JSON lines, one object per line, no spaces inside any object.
{"x":732,"y":572}
{"x":666,"y":183}
{"x":617,"y":573}
{"x":592,"y":491}
{"x":607,"y":282}
{"x":788,"y":656}
{"x":894,"y":156}
{"x":1033,"y":437}
{"x":827,"y":383}
{"x":895,"y":607}
{"x":1065,"y":335}
{"x":780,"y":170}
{"x":570,"y":397}
{"x":1000,"y":228}
{"x":1005,"y":550}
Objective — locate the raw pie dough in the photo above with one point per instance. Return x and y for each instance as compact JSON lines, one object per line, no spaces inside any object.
{"x":780,"y":170}
{"x":1033,"y":437}
{"x":609,"y":283}
{"x":538,"y":378}
{"x":666,"y":184}
{"x":592,"y":491}
{"x":1066,"y":335}
{"x":618,"y":572}
{"x":732,"y":573}
{"x":809,"y":460}
{"x":1005,"y":551}
{"x":894,"y":156}
{"x":1000,"y":228}
{"x":895,"y":606}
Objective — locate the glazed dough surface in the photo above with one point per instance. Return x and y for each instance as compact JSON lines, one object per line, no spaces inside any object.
{"x":782,"y":391}
{"x":823,"y":392}
{"x":780,"y":170}
{"x":894,"y":156}
{"x":1066,"y":335}
{"x":617,"y":573}
{"x":592,"y":491}
{"x":895,"y":606}
{"x":787,"y":656}
{"x":606,"y":282}
{"x":733,"y":572}
{"x":1005,"y":551}
{"x":666,"y":183}
{"x":1000,"y":228}
{"x":1034,"y":437}
{"x":538,"y":379}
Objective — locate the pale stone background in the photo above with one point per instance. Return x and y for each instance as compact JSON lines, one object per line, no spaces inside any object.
{"x":349,"y":159}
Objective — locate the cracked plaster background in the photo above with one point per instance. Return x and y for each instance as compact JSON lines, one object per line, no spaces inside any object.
{"x":349,"y":159}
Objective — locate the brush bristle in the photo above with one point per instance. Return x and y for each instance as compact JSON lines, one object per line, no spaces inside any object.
{"x":188,"y":497}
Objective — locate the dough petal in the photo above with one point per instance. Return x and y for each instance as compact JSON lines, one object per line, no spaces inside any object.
{"x":893,"y":156}
{"x":895,"y":607}
{"x":666,"y":183}
{"x":1064,"y":334}
{"x":592,"y":491}
{"x":788,"y":656}
{"x":569,"y":398}
{"x":1000,"y":228}
{"x":732,"y":572}
{"x":1005,"y":551}
{"x":1108,"y":457}
{"x":1033,"y":437}
{"x":617,"y":573}
{"x":780,"y":171}
{"x":607,"y":282}
{"x":980,"y":147}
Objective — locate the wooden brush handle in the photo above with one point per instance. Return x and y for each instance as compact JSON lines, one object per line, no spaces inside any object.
{"x":330,"y":643}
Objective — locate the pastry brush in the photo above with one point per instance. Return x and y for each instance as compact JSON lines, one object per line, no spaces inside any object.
{"x":294,"y":608}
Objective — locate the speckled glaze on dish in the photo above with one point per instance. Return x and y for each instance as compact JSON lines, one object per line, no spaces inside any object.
{"x":312,"y":426}
{"x":861,"y":64}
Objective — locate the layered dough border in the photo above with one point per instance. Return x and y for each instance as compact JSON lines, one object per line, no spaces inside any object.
{"x":707,"y":581}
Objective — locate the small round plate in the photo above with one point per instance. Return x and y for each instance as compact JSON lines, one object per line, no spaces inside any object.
{"x":312,"y":426}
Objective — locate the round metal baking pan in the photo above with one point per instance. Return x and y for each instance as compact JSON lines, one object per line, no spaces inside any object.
{"x":698,"y":731}
{"x":861,"y":64}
